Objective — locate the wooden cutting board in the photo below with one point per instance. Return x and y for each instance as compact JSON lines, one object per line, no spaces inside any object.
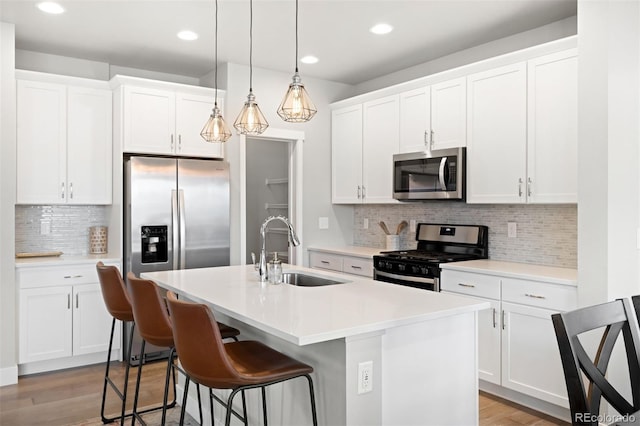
{"x":39,"y":254}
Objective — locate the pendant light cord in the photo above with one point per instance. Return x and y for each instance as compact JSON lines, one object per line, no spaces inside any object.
{"x":296,"y":35}
{"x":215,"y":74}
{"x":250,"y":46}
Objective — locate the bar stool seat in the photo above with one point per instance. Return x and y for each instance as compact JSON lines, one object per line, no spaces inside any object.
{"x":236,"y":365}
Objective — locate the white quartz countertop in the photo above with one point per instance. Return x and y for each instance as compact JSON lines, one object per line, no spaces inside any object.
{"x":366,"y":252}
{"x":551,"y":274}
{"x":306,"y":315}
{"x":31,"y":262}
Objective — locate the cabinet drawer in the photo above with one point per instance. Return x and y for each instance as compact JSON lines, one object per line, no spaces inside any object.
{"x":358,"y":266}
{"x":56,"y":275}
{"x":543,"y":295}
{"x":325,"y":261}
{"x":478,"y":285}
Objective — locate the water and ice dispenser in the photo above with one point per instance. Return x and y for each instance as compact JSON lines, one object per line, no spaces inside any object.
{"x":154,"y":244}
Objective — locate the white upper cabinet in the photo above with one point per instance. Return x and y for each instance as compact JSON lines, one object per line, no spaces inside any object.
{"x":448,"y":114}
{"x":552,"y":143}
{"x":63,"y":140}
{"x":164,"y":118}
{"x":497,"y":135}
{"x":522,"y":132}
{"x":380,"y":142}
{"x":346,"y":155}
{"x":415,"y":120}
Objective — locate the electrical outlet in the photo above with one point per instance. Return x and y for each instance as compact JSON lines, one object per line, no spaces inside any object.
{"x":512,"y":230}
{"x":365,"y":224}
{"x":365,"y":377}
{"x":323,"y":223}
{"x":412,"y":225}
{"x":45,"y":227}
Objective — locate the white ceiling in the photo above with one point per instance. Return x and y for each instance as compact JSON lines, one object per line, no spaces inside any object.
{"x":142,"y":34}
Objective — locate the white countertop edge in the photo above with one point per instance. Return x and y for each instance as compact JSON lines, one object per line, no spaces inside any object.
{"x":549,"y":274}
{"x":356,"y":251}
{"x":32,"y":262}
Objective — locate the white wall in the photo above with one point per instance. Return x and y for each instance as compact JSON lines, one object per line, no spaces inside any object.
{"x":8,"y":355}
{"x":554,"y":31}
{"x":269,"y":87}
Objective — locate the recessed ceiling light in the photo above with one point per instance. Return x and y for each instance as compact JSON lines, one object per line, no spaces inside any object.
{"x":309,"y":59}
{"x":187,"y":35}
{"x":50,"y":7}
{"x":381,"y":28}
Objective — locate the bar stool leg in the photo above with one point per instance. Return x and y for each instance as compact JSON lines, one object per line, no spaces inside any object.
{"x":264,"y":405}
{"x":107,"y":380}
{"x":166,"y":385}
{"x":184,"y":401}
{"x":135,"y":398}
{"x":314,"y":414}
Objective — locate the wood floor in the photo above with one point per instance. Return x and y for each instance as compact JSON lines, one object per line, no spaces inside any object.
{"x":72,"y":397}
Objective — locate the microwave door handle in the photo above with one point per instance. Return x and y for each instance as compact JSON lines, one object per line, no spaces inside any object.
{"x":443,"y":165}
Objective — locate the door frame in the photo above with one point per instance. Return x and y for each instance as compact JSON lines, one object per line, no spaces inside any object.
{"x":295,"y":138}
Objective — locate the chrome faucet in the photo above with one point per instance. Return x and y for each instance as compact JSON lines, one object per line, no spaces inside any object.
{"x":293,"y":239}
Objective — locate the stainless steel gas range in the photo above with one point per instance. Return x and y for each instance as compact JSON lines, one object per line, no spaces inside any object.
{"x":437,"y":243}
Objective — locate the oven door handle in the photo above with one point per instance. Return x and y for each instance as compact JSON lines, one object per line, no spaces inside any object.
{"x":411,"y":279}
{"x":443,"y":165}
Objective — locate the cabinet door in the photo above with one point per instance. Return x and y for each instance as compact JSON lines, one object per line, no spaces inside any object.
{"x":448,"y":114}
{"x":149,"y":121}
{"x":41,"y":143}
{"x":45,"y":323}
{"x":346,"y":155}
{"x":192,"y":112}
{"x":89,"y":146}
{"x":530,"y":357}
{"x":415,"y":120}
{"x":91,"y":321}
{"x":497,"y":132}
{"x":552,"y":145}
{"x":489,"y":333}
{"x":380,"y":141}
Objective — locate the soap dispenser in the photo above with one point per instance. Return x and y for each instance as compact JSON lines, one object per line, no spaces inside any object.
{"x":274,"y":270}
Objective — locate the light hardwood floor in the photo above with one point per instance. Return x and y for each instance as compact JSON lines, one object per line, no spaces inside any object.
{"x":72,"y":397}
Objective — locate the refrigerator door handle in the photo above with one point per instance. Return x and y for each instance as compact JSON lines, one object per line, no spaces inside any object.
{"x":174,"y":226}
{"x":183,"y":230}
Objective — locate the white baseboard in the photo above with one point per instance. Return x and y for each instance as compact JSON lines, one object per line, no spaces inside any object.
{"x":9,"y":375}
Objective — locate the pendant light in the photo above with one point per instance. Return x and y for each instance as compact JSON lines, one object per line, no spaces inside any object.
{"x":296,"y":107}
{"x":250,"y":121}
{"x":215,"y":129}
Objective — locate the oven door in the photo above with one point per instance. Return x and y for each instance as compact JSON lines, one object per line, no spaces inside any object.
{"x":432,"y":284}
{"x":429,"y":175}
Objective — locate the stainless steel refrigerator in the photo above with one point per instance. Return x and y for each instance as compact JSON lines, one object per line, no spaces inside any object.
{"x":176,"y":216}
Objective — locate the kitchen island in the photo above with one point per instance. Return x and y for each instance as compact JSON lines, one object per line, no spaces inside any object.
{"x":421,"y":345}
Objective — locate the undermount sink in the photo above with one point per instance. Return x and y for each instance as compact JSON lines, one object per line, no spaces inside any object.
{"x":304,"y":280}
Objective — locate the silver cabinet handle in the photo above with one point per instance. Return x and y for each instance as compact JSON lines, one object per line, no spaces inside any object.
{"x":77,"y":303}
{"x":534,"y":296}
{"x":179,"y":142}
{"x":494,"y":318}
{"x":503,"y":325}
{"x":519,"y":187}
{"x":325,"y":262}
{"x":426,"y":139}
{"x":72,"y":276}
{"x":364,"y":192}
{"x":433,"y":139}
{"x":68,"y":300}
{"x":529,"y":182}
{"x":466,"y":285}
{"x":359,"y":192}
{"x":356,"y":267}
{"x":62,"y":190}
{"x":171,"y":142}
{"x":71,"y":190}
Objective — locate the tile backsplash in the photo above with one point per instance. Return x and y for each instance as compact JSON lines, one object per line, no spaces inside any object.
{"x":66,"y":228}
{"x":546,"y":234}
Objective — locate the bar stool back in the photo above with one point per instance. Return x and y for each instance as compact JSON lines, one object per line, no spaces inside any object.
{"x":236,"y":365}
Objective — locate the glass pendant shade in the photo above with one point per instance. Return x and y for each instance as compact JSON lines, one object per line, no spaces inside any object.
{"x":215,"y":129}
{"x":296,"y":107}
{"x":250,"y":121}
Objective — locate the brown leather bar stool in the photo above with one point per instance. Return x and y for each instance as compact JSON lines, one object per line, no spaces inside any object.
{"x":116,"y":299}
{"x":237,"y":365}
{"x":154,"y":326}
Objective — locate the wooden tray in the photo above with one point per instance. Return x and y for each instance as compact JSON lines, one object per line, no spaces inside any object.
{"x":39,"y":254}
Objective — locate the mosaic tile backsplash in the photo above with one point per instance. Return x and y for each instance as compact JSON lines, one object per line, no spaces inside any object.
{"x":68,"y":228}
{"x":546,"y":234}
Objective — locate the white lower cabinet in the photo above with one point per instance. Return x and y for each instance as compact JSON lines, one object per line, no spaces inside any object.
{"x":516,"y":340}
{"x":62,"y":315}
{"x":341,"y":263}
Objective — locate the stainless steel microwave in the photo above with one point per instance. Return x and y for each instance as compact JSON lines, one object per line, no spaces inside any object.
{"x":429,"y":175}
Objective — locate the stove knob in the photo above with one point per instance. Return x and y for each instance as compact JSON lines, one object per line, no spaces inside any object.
{"x":425,"y":270}
{"x":415,"y":269}
{"x":402,"y":267}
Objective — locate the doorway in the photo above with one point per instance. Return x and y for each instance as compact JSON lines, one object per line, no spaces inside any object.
{"x":271,"y":174}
